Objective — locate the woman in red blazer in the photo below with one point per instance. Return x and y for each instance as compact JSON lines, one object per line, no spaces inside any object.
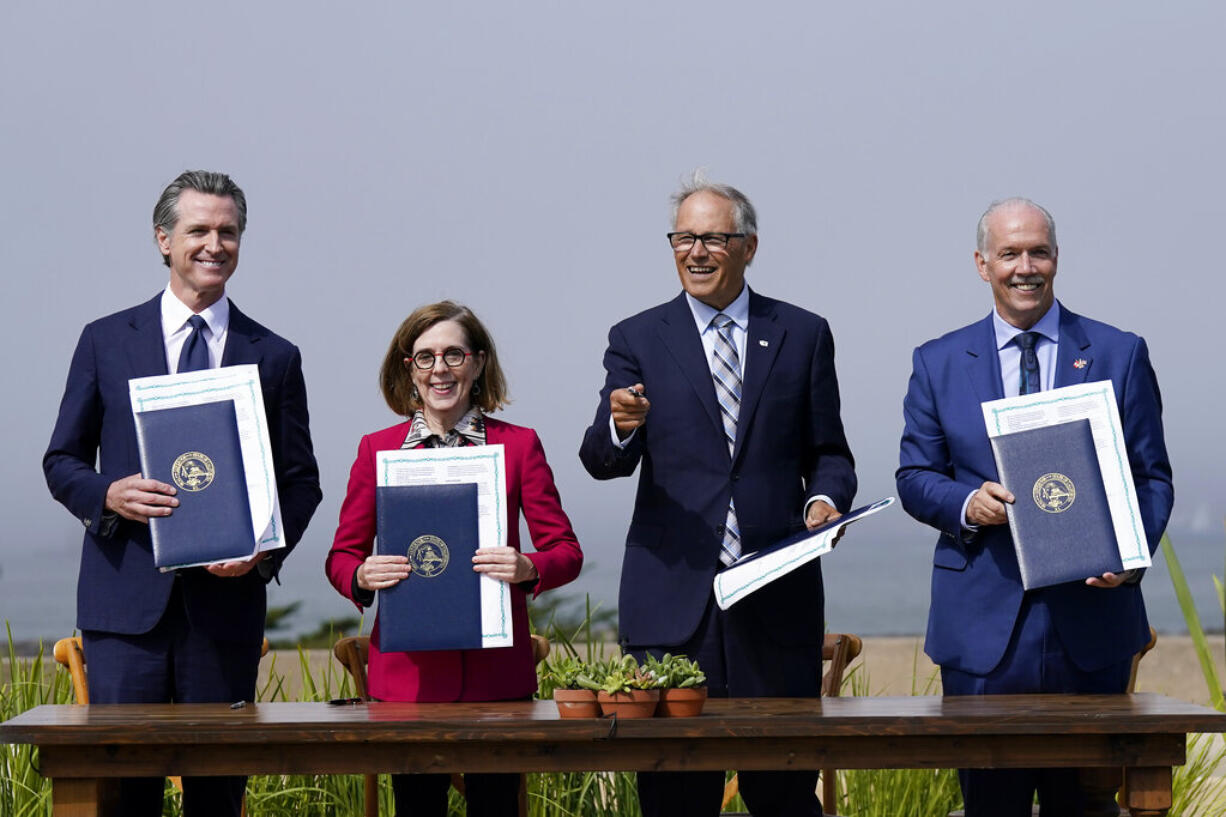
{"x":441,"y":371}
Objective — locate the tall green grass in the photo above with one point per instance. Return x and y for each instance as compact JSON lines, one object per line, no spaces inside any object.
{"x":23,"y":791}
{"x":1197,"y":791}
{"x":896,"y":792}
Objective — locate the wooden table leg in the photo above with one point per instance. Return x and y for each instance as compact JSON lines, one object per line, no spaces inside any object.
{"x":1149,"y":790}
{"x":82,"y":797}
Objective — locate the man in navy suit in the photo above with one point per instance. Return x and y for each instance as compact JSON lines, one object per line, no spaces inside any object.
{"x":728,"y":404}
{"x":193,"y":635}
{"x":985,"y":632}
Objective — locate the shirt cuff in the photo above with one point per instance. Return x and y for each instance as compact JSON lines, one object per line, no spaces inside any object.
{"x":968,"y":530}
{"x":620,"y":444}
{"x":805,"y":513}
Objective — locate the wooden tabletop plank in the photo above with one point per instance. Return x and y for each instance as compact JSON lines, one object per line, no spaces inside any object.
{"x":271,"y":723}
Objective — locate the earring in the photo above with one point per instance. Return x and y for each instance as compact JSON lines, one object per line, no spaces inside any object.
{"x":476,"y":389}
{"x":413,"y":393}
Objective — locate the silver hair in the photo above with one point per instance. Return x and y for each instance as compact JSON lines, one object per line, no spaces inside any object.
{"x":166,"y":211}
{"x":981,"y":232}
{"x":744,"y":216}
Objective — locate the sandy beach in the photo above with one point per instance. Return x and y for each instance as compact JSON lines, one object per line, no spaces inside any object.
{"x":1171,"y":668}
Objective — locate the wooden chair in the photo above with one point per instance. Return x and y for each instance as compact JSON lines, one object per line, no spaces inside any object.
{"x":353,"y":652}
{"x":70,"y":653}
{"x":838,"y":650}
{"x":1108,"y":780}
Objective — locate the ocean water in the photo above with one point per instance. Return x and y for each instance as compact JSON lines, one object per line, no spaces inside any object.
{"x":874,"y":585}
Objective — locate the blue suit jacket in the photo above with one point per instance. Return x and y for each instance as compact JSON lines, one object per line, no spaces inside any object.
{"x":119,"y":590}
{"x":789,"y":446}
{"x":945,"y":455}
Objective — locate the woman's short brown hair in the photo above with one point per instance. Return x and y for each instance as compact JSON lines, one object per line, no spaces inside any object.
{"x":396,"y":380}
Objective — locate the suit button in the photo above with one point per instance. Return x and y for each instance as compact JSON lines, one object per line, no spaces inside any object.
{"x":87,"y":522}
{"x":719,"y":530}
{"x":736,"y":477}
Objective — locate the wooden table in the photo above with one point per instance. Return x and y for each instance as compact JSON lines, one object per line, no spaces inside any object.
{"x":80,"y":747}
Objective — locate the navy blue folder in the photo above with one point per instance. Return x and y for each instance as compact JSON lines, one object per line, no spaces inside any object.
{"x":1060,"y":519}
{"x":438,"y":607}
{"x":196,"y":449}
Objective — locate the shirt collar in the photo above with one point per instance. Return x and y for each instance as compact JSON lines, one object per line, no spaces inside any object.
{"x":738,"y":310}
{"x":1048,"y":326}
{"x":175,"y":314}
{"x":470,"y":428}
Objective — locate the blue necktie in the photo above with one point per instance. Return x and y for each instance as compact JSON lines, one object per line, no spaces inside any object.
{"x":195,"y":354}
{"x":1028,"y":379}
{"x":726,"y":370}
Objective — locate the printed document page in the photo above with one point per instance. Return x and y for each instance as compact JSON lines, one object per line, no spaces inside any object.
{"x":486,"y":466}
{"x":1094,"y":402}
{"x":758,"y":569}
{"x":242,"y":385}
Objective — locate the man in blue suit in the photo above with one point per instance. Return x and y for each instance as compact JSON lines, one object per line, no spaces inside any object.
{"x":193,"y":635}
{"x":985,"y":632}
{"x":728,"y":404}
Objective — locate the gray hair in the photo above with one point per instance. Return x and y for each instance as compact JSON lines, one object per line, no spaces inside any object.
{"x":744,"y":217}
{"x":981,"y":232}
{"x":166,"y":211}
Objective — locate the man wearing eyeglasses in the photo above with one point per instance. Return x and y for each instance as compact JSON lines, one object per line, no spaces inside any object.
{"x":727,"y":403}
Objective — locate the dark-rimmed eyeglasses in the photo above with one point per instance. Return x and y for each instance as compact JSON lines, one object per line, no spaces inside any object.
{"x":455,"y":356}
{"x":684,"y":242}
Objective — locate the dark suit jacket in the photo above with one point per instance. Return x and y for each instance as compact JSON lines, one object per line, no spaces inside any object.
{"x":789,"y":446}
{"x":462,"y":675}
{"x":945,"y":455}
{"x":118,"y":589}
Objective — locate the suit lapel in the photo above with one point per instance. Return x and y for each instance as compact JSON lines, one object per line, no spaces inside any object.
{"x":680,"y":337}
{"x":1073,"y":358}
{"x":242,"y":339}
{"x":146,"y":348}
{"x":983,"y":362}
{"x":762,"y":344}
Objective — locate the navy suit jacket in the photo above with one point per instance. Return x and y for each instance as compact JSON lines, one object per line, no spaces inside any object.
{"x":119,"y":590}
{"x":789,"y":446}
{"x":945,"y":455}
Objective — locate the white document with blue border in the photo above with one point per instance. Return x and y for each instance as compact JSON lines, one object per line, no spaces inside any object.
{"x":1094,"y":402}
{"x":486,"y":466}
{"x":755,"y":570}
{"x":242,"y":385}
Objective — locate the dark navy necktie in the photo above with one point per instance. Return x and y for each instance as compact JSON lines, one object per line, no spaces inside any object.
{"x":1028,"y":379}
{"x":195,"y":354}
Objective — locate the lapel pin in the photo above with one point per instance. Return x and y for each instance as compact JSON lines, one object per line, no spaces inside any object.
{"x":764,"y":343}
{"x":1080,"y":363}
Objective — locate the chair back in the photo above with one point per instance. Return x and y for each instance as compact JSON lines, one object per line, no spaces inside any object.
{"x":838,"y":650}
{"x":68,"y":652}
{"x":353,"y":652}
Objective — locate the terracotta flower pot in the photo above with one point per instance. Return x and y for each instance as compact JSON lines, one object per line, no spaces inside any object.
{"x":681,"y":703}
{"x":637,"y":703}
{"x":576,"y":703}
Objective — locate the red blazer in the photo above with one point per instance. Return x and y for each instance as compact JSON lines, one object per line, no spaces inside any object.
{"x":461,"y":675}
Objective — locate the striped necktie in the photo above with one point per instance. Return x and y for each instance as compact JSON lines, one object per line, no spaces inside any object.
{"x":726,"y":371}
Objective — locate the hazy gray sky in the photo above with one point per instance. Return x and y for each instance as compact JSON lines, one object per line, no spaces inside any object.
{"x":518,"y":157}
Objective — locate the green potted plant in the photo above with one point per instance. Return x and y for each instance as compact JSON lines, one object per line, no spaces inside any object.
{"x":683,"y":691}
{"x":628,"y":690}
{"x":574,"y":686}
